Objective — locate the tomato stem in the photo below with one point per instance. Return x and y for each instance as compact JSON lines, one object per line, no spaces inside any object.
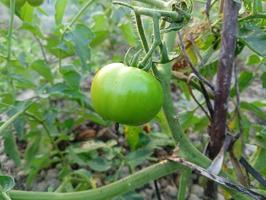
{"x":122,"y":186}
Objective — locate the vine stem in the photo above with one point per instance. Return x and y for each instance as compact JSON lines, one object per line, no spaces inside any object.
{"x":120,"y":187}
{"x":9,"y":39}
{"x":72,"y":22}
{"x":77,"y":16}
{"x":155,"y":3}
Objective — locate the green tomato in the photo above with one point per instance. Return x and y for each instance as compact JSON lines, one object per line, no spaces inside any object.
{"x":19,"y":3}
{"x":35,"y":3}
{"x":126,"y":95}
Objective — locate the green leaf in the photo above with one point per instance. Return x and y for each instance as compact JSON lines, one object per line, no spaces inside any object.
{"x":43,"y":69}
{"x":27,"y":12}
{"x":81,"y":36}
{"x":58,"y":47}
{"x":99,"y":164}
{"x":137,"y":157}
{"x":6,"y":183}
{"x":32,"y":147}
{"x":100,"y":29}
{"x":261,"y":138}
{"x":252,"y":107}
{"x":253,"y":60}
{"x":244,"y":80}
{"x":254,"y":38}
{"x":34,"y":29}
{"x":11,"y":148}
{"x":187,"y":119}
{"x":128,"y":33}
{"x":11,"y":120}
{"x":132,"y":135}
{"x":60,"y":7}
{"x":71,"y":76}
{"x":259,"y":162}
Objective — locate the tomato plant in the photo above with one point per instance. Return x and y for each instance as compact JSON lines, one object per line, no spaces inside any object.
{"x":125,"y":94}
{"x":185,"y":75}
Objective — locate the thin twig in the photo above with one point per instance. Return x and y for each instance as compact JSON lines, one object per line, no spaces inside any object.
{"x":195,"y":48}
{"x":239,"y":172}
{"x":157,"y":190}
{"x":253,"y":171}
{"x":42,"y":49}
{"x":240,"y":124}
{"x":207,"y":8}
{"x":218,"y":179}
{"x":191,"y":65}
{"x":195,"y":99}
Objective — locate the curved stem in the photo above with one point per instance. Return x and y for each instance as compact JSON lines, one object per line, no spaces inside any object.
{"x":155,"y":3}
{"x":9,"y":39}
{"x":106,"y":192}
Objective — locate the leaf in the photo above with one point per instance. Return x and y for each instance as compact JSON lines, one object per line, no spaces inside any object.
{"x":81,"y":36}
{"x":254,"y":38}
{"x":132,"y":135}
{"x":32,"y":148}
{"x":244,"y":80}
{"x":259,"y":162}
{"x":253,"y":60}
{"x":34,"y":29}
{"x":99,"y":164}
{"x":60,"y":7}
{"x":128,"y":33}
{"x":71,"y":76}
{"x":100,"y":29}
{"x":27,"y":12}
{"x":260,"y":139}
{"x":137,"y":157}
{"x":58,"y":47}
{"x":187,"y":119}
{"x":6,"y":183}
{"x":43,"y":69}
{"x":252,"y":107}
{"x":11,"y":148}
{"x":12,"y":119}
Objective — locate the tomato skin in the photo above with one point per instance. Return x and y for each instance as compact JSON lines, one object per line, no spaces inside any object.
{"x":19,"y":3}
{"x":35,"y":3}
{"x":126,"y":95}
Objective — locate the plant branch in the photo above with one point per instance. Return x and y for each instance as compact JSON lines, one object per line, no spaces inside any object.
{"x":122,"y":186}
{"x":223,"y":83}
{"x":156,"y":3}
{"x":190,"y":63}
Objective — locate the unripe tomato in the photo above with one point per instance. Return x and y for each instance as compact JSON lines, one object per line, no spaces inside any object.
{"x":35,"y":3}
{"x":126,"y":95}
{"x":19,"y":3}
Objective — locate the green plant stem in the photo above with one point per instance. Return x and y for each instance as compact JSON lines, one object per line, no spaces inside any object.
{"x":183,"y":182}
{"x":106,"y":192}
{"x":141,"y":33}
{"x":72,"y":22}
{"x":11,"y":120}
{"x":82,"y":10}
{"x":46,"y":128}
{"x":255,"y":16}
{"x":152,"y":12}
{"x":188,"y":150}
{"x":9,"y":39}
{"x":155,"y":3}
